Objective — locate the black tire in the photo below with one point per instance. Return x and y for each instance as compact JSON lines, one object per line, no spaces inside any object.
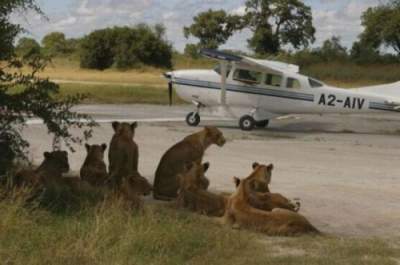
{"x":193,"y":119}
{"x":247,"y":123}
{"x":262,"y":124}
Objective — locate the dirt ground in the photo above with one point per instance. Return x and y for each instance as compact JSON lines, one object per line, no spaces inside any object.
{"x":345,"y":169}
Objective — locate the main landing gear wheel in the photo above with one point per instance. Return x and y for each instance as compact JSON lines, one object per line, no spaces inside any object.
{"x":247,"y":123}
{"x":262,"y":124}
{"x":193,"y":119}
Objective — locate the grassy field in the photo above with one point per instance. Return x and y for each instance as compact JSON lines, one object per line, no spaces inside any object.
{"x":119,"y":94}
{"x":106,"y":233}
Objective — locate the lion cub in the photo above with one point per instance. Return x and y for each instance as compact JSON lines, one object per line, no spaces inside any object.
{"x":172,"y":163}
{"x":49,"y":172}
{"x":193,"y":196}
{"x":123,"y":154}
{"x":278,"y":222}
{"x":94,"y":170}
{"x":132,"y":188}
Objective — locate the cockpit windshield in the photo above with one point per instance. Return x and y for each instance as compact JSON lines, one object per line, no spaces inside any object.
{"x":218,"y":69}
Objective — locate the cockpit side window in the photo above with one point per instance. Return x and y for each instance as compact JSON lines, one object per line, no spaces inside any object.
{"x":273,"y":80}
{"x":247,"y":76}
{"x":314,"y":83}
{"x":293,"y":83}
{"x":218,"y":70}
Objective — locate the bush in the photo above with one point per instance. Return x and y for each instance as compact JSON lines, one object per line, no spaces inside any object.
{"x":126,"y":47}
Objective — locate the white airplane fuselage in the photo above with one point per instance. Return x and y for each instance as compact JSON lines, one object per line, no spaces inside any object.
{"x":266,"y":101}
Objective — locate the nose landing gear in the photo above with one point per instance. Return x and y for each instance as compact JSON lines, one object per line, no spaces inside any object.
{"x":193,"y":119}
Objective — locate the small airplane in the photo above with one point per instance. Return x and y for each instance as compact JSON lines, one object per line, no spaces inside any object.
{"x":255,"y":91}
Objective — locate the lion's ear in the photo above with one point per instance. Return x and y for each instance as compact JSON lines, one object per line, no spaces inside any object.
{"x":236,"y":181}
{"x":46,"y":155}
{"x":270,"y":167}
{"x":255,"y":164}
{"x":206,"y":166}
{"x":134,"y":125}
{"x":104,"y":147}
{"x":115,"y":125}
{"x":87,"y":146}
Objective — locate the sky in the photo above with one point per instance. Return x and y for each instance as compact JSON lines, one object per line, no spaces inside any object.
{"x":77,"y":18}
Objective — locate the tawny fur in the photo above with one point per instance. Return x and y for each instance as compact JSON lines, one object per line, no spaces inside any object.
{"x":50,"y":171}
{"x":190,"y":149}
{"x":193,"y":196}
{"x":278,"y":222}
{"x":260,"y":196}
{"x":132,"y":189}
{"x":94,"y":170}
{"x":123,"y":154}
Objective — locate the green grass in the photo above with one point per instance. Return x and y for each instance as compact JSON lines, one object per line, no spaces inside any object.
{"x":353,"y":75}
{"x":106,"y":233}
{"x":118,"y":94}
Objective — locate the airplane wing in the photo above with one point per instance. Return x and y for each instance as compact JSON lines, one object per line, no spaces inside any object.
{"x":271,"y":66}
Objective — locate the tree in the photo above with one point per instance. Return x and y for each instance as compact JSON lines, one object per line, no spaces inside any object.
{"x":55,"y":44}
{"x":25,"y":95}
{"x":278,"y":22}
{"x":332,"y":49}
{"x":213,"y":28}
{"x":382,"y":26}
{"x":27,"y":48}
{"x":97,"y":50}
{"x":126,"y":47}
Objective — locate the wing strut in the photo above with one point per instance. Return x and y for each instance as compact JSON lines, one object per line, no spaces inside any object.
{"x":224,"y":70}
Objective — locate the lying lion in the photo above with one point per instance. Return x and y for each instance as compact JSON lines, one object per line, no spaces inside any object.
{"x":278,"y":222}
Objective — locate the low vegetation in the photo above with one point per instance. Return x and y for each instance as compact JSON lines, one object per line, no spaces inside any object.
{"x":106,"y":233}
{"x":119,"y":94}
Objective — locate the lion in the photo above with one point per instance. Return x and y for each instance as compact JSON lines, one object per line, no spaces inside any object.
{"x":268,"y":201}
{"x":132,"y":188}
{"x":94,"y":170}
{"x":193,"y":196}
{"x":54,"y":165}
{"x":278,"y":222}
{"x":261,"y":197}
{"x":190,"y":149}
{"x":261,"y":177}
{"x":123,"y":154}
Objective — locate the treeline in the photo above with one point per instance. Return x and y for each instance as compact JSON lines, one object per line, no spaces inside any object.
{"x":277,"y":26}
{"x":120,"y":47}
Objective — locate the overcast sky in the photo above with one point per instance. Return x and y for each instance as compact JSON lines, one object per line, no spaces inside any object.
{"x":78,"y":17}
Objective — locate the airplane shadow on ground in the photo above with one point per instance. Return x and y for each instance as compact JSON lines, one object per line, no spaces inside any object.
{"x":307,"y":127}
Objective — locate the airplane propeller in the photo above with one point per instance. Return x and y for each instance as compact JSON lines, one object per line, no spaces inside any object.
{"x":170,"y":91}
{"x":168,"y":75}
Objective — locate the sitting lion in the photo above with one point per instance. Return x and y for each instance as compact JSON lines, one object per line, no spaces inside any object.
{"x":123,"y":154}
{"x":190,"y":149}
{"x":260,"y":196}
{"x":94,"y":170}
{"x":278,"y":222}
{"x":193,"y":196}
{"x":50,"y":171}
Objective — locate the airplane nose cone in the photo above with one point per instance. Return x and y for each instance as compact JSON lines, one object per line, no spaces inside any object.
{"x":168,"y":75}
